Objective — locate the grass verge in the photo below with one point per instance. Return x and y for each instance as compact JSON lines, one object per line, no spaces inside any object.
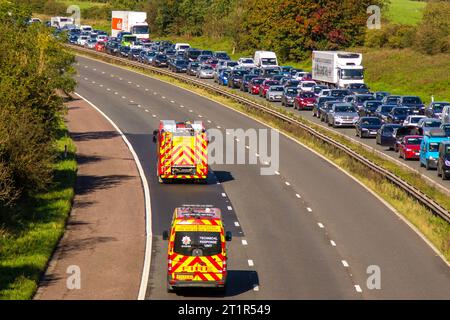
{"x":432,"y":227}
{"x":405,"y":11}
{"x":33,"y":228}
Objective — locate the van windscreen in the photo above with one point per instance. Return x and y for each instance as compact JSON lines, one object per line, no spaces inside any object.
{"x":197,"y":243}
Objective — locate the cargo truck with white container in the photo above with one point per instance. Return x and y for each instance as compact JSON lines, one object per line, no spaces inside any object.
{"x":131,"y":21}
{"x":337,"y":68}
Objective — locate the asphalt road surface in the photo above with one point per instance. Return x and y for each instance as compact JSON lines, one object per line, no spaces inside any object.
{"x":307,"y":232}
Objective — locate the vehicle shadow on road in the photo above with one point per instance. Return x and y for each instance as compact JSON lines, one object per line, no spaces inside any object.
{"x":94,"y":135}
{"x":223,"y":176}
{"x":239,"y":282}
{"x":88,"y":183}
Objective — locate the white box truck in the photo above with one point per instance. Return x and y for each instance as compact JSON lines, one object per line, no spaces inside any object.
{"x":265,"y":59}
{"x":130,"y":21}
{"x":61,"y":22}
{"x":337,"y":68}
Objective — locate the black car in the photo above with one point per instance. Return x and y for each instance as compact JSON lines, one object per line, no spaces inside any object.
{"x":73,"y":39}
{"x":398,"y":114}
{"x":292,"y":83}
{"x":160,"y":60}
{"x":221,"y":55}
{"x":391,"y":100}
{"x":443,"y":166}
{"x":358,"y":88}
{"x":112,"y":47}
{"x":319,"y":104}
{"x":339,"y":93}
{"x":288,"y":97}
{"x":245,"y":81}
{"x":367,"y":127}
{"x":369,"y":108}
{"x":192,"y":54}
{"x":383,"y":111}
{"x":318,"y":88}
{"x":414,"y":103}
{"x":178,"y":66}
{"x":434,"y":109}
{"x":380,"y":95}
{"x":124,"y":51}
{"x":134,"y":54}
{"x":235,"y":79}
{"x":325,"y":109}
{"x":385,"y":135}
{"x":360,"y":99}
{"x":208,"y":53}
{"x":192,"y":68}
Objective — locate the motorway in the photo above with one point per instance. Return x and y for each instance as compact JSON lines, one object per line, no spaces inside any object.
{"x":307,"y":232}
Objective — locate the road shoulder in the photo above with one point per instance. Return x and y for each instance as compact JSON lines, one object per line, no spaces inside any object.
{"x":105,"y":234}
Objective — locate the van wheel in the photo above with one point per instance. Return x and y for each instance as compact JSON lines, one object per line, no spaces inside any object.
{"x":444,"y":177}
{"x":421,"y":164}
{"x":427,"y":165}
{"x":170,"y":289}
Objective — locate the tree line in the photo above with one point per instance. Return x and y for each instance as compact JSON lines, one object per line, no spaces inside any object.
{"x":33,"y":68}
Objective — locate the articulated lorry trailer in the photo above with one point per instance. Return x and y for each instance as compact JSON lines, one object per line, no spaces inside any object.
{"x":336,"y":68}
{"x":130,"y":21}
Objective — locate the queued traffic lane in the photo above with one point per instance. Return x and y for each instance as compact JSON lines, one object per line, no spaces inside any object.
{"x":350,"y":132}
{"x":310,"y":231}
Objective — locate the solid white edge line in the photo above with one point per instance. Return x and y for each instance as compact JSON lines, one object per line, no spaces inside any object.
{"x":148,"y":208}
{"x":388,"y":205}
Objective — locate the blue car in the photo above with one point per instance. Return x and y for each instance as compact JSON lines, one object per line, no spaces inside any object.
{"x":223,"y":77}
{"x":429,"y":148}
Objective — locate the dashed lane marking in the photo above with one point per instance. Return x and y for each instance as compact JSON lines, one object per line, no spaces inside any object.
{"x":298,"y":196}
{"x":244,"y":242}
{"x":358,"y":288}
{"x":309,"y":209}
{"x":333,"y":243}
{"x":320,"y":225}
{"x":250,"y":263}
{"x":344,"y":263}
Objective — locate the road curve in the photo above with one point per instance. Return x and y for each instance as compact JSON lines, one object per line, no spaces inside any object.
{"x":310,"y":232}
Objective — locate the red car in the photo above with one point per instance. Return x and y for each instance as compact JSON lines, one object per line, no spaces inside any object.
{"x":265,"y":86}
{"x":212,"y":62}
{"x":304,"y":100}
{"x":254,"y":84}
{"x":100,"y":46}
{"x":409,"y":148}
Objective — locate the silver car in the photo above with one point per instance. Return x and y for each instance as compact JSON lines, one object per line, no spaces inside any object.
{"x":274,"y":93}
{"x":205,"y":72}
{"x":342,"y":114}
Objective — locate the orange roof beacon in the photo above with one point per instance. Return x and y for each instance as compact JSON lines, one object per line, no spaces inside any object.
{"x":182,"y":149}
{"x":197,"y":255}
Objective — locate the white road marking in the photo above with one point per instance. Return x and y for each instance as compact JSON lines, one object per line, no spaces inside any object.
{"x":93,"y":82}
{"x":129,"y":82}
{"x":229,"y":208}
{"x":146,"y":110}
{"x":309,"y":209}
{"x":155,"y":93}
{"x":146,"y":89}
{"x":287,"y":183}
{"x":333,"y":243}
{"x":257,"y":154}
{"x":94,"y":69}
{"x":244,"y":242}
{"x":298,"y":196}
{"x":209,"y":121}
{"x":358,"y":288}
{"x":171,"y":101}
{"x":163,"y":97}
{"x":266,"y":163}
{"x":224,"y":194}
{"x":85,"y":67}
{"x":154,"y":116}
{"x":181,"y":106}
{"x":250,"y":263}
{"x":218,"y":127}
{"x":138,"y":86}
{"x":236,"y":224}
{"x":200,"y":116}
{"x":103,"y":72}
{"x":120,"y":79}
{"x":247,"y":147}
{"x":108,"y":89}
{"x":344,"y":263}
{"x":228,"y":133}
{"x":101,"y":86}
{"x":320,"y":225}
{"x":123,"y":97}
{"x":256,"y":288}
{"x":191,"y":111}
{"x":85,"y":78}
{"x":116,"y":93}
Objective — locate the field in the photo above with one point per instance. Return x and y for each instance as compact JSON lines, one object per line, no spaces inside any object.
{"x":405,"y":11}
{"x":27,"y":243}
{"x":82,"y":4}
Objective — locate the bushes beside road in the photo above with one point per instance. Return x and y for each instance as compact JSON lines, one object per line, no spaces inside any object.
{"x":36,"y":180}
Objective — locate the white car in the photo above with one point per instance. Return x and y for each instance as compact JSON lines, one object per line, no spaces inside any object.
{"x":102,"y":38}
{"x":307,"y":86}
{"x":82,"y":40}
{"x":324,"y":92}
{"x":300,"y":75}
{"x":246,"y":63}
{"x":412,"y":121}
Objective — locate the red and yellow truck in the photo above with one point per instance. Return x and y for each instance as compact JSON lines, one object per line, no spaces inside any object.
{"x":182,"y":149}
{"x":197,"y":255}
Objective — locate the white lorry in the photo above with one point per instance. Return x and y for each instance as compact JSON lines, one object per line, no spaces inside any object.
{"x":337,"y":68}
{"x":130,"y":21}
{"x":265,"y":59}
{"x":61,"y":22}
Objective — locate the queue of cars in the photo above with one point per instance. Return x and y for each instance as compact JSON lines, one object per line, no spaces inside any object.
{"x":402,"y":123}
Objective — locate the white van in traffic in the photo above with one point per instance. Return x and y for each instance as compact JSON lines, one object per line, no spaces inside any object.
{"x":265,"y":59}
{"x":182,"y":46}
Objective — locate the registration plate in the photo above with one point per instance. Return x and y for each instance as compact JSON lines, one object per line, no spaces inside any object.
{"x":184,"y":276}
